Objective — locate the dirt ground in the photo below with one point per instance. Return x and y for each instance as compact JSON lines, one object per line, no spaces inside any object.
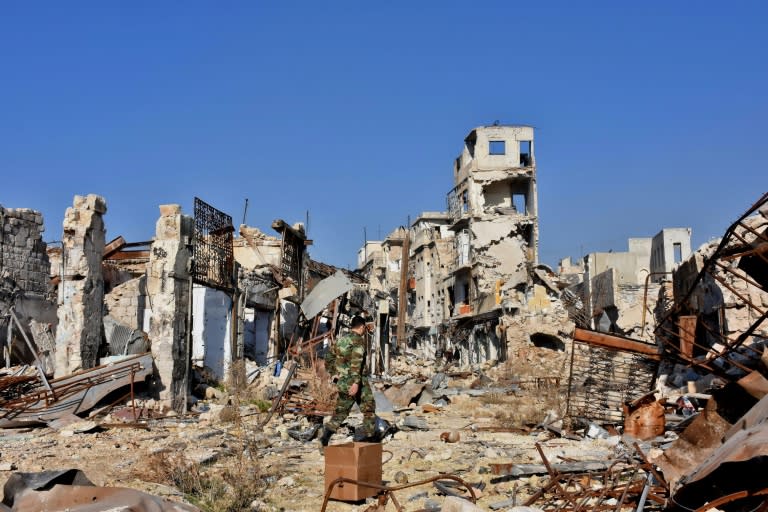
{"x":221,"y":460}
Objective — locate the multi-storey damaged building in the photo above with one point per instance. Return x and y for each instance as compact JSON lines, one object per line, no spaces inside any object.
{"x":473,"y":264}
{"x":493,"y":212}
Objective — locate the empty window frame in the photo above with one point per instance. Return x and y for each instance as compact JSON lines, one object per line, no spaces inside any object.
{"x":525,"y":153}
{"x":677,"y":247}
{"x":497,"y":147}
{"x":519,"y":203}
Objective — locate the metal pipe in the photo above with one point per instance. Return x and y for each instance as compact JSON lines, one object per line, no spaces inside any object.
{"x":388,"y":490}
{"x":644,"y":495}
{"x":645,"y":297}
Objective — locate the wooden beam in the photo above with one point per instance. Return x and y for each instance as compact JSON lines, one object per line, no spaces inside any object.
{"x":130,"y":255}
{"x":113,"y":246}
{"x":615,"y":342}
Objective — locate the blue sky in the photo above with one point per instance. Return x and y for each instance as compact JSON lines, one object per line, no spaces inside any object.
{"x":648,"y":114}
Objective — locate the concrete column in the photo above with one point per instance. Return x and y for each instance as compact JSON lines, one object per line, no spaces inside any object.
{"x":79,"y":332}
{"x":169,"y":296}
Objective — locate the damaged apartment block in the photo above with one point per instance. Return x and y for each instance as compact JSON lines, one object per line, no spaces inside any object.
{"x":465,"y":284}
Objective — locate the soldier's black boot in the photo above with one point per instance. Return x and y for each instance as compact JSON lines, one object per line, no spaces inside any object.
{"x":325,"y":438}
{"x":361,"y":436}
{"x":310,"y":433}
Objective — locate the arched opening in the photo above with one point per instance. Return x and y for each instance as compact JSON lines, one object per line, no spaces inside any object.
{"x":542,"y":340}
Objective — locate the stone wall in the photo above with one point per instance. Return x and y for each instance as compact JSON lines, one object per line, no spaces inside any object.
{"x":79,"y":333}
{"x":126,"y":302}
{"x":23,"y":257}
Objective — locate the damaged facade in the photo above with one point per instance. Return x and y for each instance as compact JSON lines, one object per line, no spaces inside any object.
{"x":195,"y":295}
{"x":474,"y":291}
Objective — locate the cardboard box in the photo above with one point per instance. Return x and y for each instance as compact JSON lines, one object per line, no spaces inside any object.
{"x":356,"y":461}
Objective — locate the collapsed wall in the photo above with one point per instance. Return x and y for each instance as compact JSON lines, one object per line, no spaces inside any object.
{"x":25,"y":282}
{"x":79,"y":332}
{"x":126,"y":302}
{"x":500,"y":256}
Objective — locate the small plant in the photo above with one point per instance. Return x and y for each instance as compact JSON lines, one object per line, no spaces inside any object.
{"x":231,"y":489}
{"x":262,"y":405}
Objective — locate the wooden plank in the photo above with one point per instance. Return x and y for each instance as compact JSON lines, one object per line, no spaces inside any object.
{"x":612,"y":341}
{"x":687,"y":332}
{"x":113,"y":246}
{"x":130,"y":255}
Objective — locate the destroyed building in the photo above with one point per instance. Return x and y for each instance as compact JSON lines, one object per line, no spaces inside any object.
{"x":614,"y":291}
{"x":468,"y":273}
{"x":195,"y":295}
{"x":25,"y":283}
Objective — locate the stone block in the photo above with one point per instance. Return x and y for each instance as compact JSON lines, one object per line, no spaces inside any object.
{"x":167,"y":210}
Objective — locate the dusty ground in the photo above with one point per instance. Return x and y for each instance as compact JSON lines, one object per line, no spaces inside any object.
{"x":193,"y":455}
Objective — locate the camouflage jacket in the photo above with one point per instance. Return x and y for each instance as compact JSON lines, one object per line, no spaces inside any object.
{"x":346,"y":358}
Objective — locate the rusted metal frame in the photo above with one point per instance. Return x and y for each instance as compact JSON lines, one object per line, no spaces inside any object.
{"x":670,"y":345}
{"x":302,"y":346}
{"x":65,"y":392}
{"x":649,"y":467}
{"x":728,"y":341}
{"x":733,"y":272}
{"x":587,"y":494}
{"x":133,"y":398}
{"x":763,"y":507}
{"x":395,"y":502}
{"x":605,"y":490}
{"x":757,"y":251}
{"x":279,"y":398}
{"x":570,"y":382}
{"x":17,"y":407}
{"x":541,"y":492}
{"x":745,"y":242}
{"x":626,"y":490}
{"x":710,"y":261}
{"x":739,"y":295}
{"x":38,"y":363}
{"x":554,"y":475}
{"x":610,"y":341}
{"x":740,"y":339}
{"x":754,"y":231}
{"x":562,"y":495}
{"x":391,"y":489}
{"x":315,"y":324}
{"x":722,"y":500}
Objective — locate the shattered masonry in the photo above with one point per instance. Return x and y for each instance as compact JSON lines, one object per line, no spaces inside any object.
{"x":168,"y":285}
{"x":23,"y":258}
{"x":78,"y":336}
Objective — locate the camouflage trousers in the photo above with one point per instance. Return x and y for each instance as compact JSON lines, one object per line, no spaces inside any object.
{"x":363,"y":398}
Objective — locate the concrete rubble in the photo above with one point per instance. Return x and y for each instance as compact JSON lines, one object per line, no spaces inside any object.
{"x":185,"y":372}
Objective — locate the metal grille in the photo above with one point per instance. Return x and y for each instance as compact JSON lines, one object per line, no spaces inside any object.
{"x":213,"y":259}
{"x":291,"y":257}
{"x":602,"y":380}
{"x":453,"y":203}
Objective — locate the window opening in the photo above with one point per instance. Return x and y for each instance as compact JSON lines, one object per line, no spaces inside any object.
{"x":496,"y":147}
{"x":518,"y":203}
{"x":525,"y":153}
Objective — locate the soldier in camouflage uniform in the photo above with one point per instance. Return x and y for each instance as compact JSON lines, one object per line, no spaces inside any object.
{"x":345,"y":361}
